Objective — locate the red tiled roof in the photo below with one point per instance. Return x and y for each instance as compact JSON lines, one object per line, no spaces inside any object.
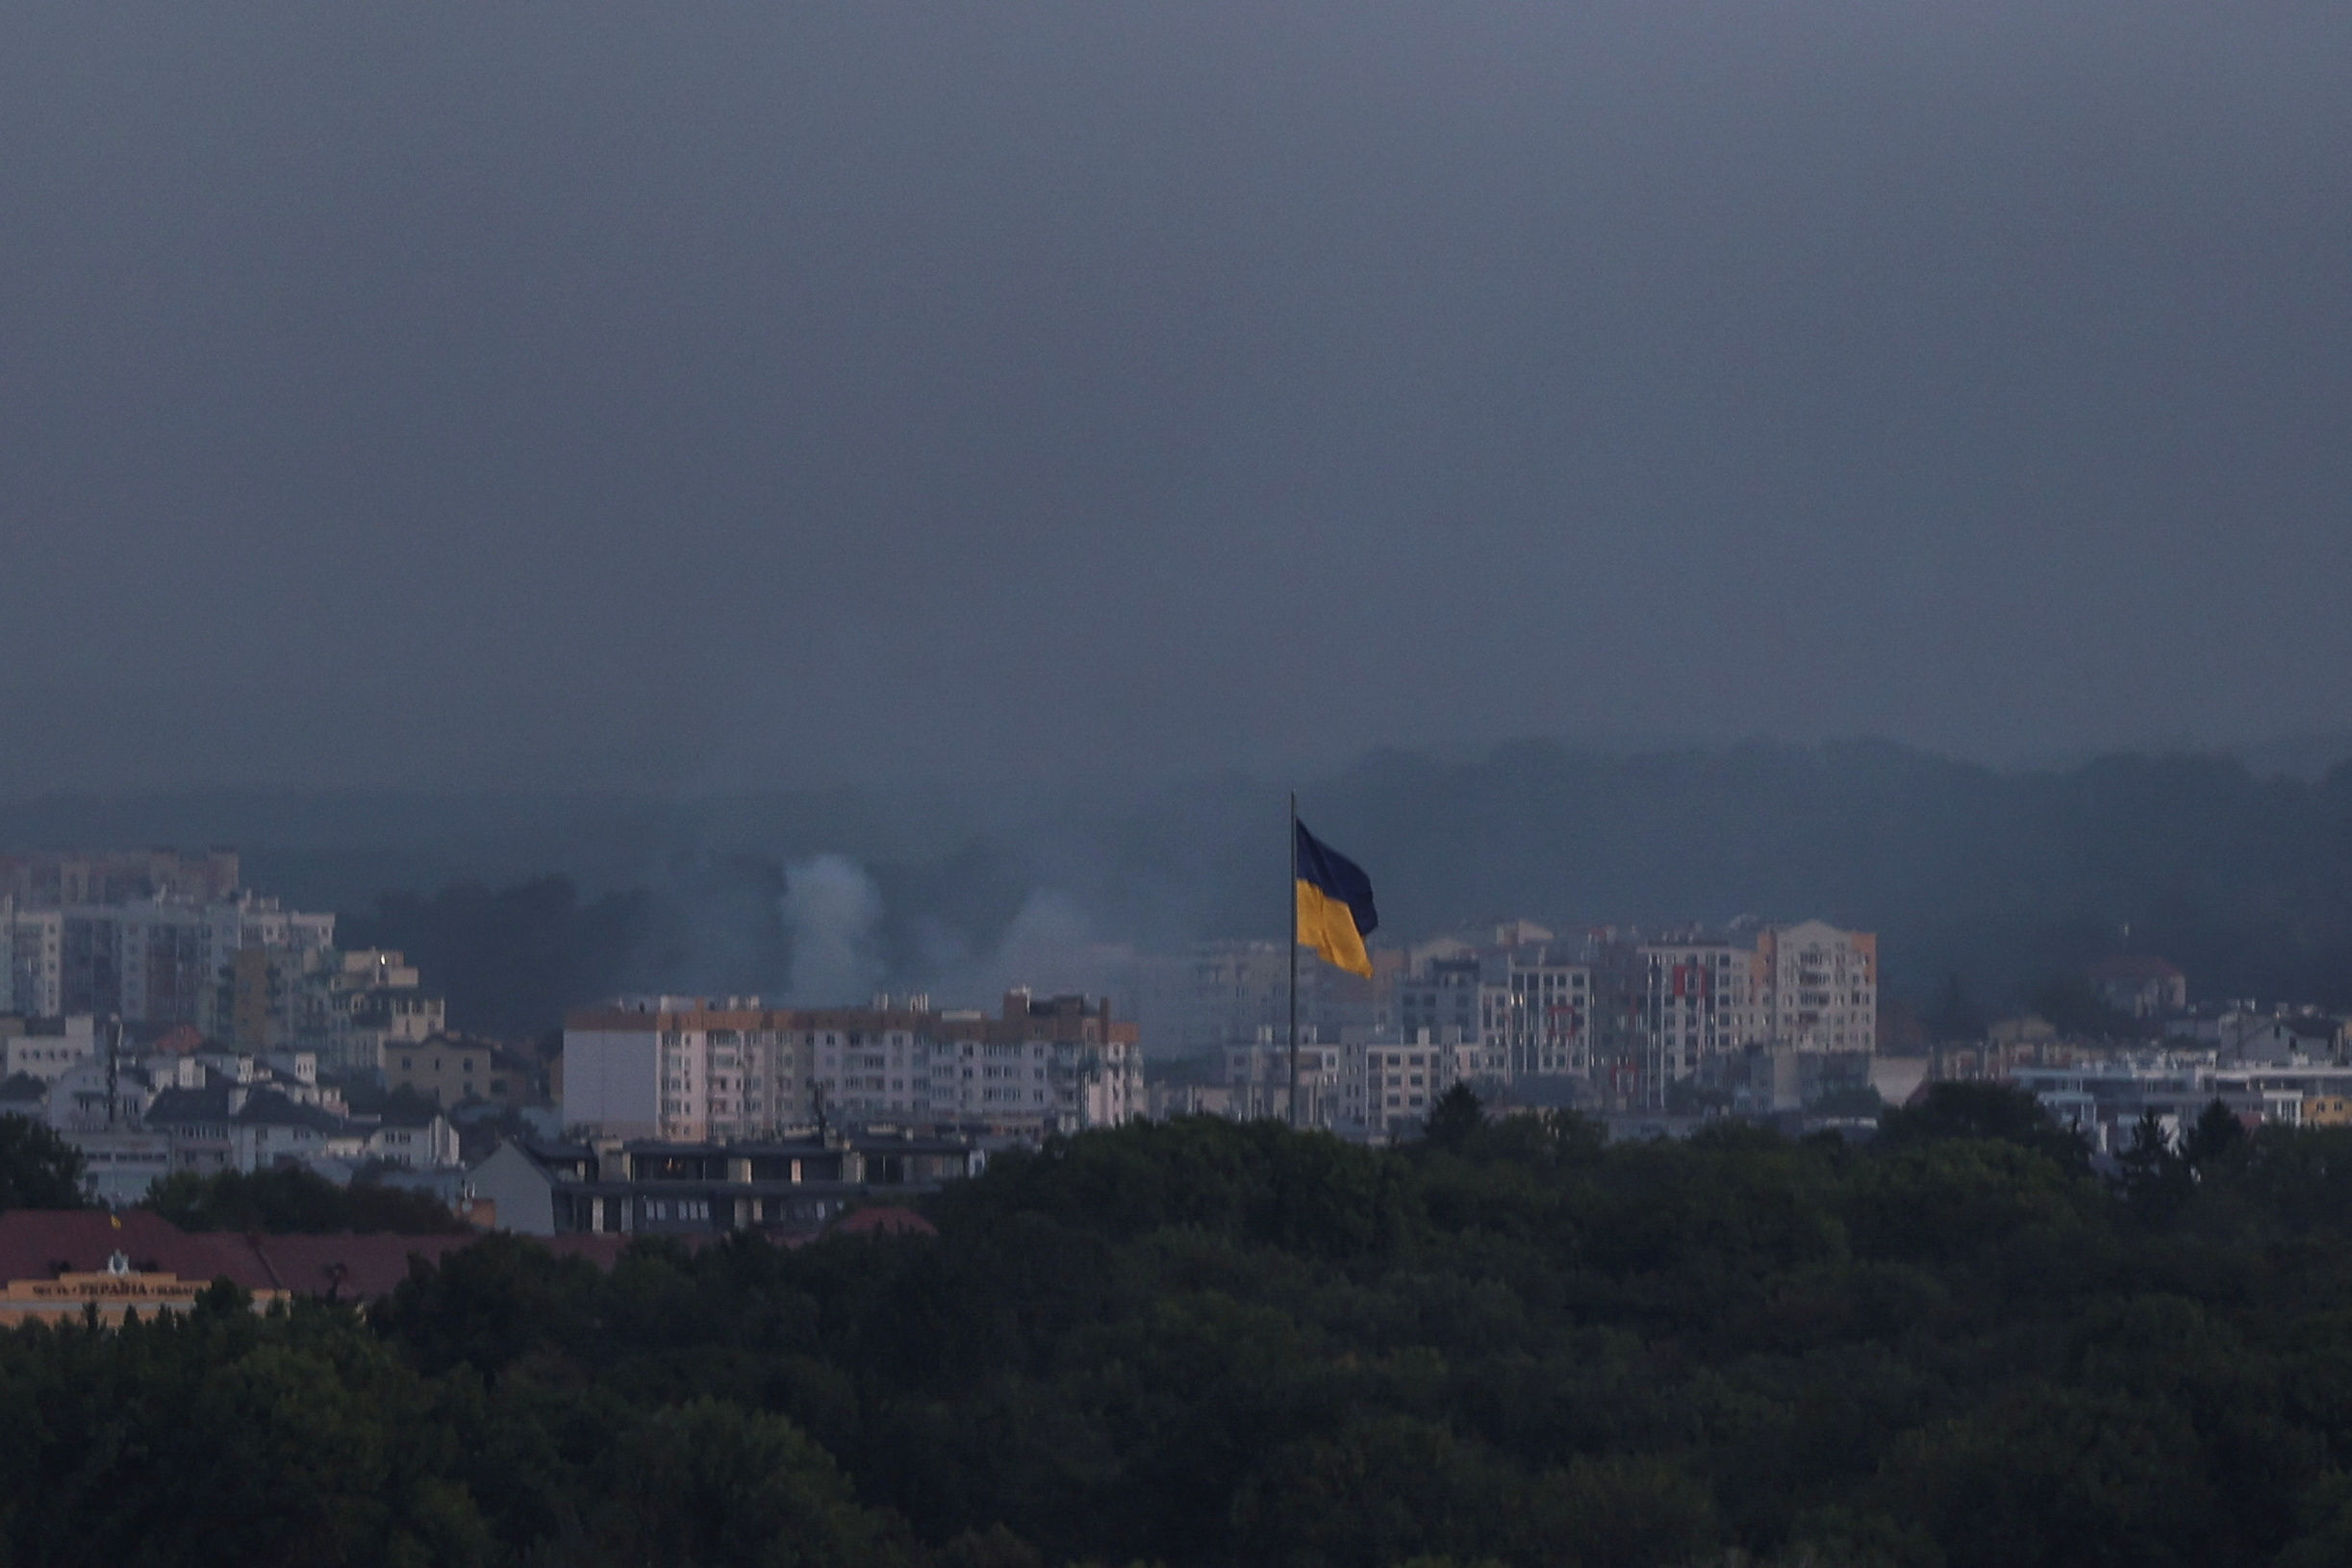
{"x":40,"y":1244}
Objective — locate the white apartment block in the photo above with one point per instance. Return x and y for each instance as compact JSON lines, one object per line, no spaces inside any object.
{"x":686,"y":1070}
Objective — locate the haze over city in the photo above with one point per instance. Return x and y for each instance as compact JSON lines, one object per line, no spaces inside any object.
{"x":716,"y":397}
{"x":1485,"y":784}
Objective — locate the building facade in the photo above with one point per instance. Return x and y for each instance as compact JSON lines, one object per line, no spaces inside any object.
{"x":154,"y":962}
{"x":691,"y":1070}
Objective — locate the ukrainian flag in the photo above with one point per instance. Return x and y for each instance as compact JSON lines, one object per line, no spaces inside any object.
{"x":1335,"y":912}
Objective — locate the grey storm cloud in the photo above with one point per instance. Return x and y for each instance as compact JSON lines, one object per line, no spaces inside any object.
{"x":699,"y":395}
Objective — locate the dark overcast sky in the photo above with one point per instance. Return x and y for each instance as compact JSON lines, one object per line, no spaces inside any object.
{"x":702,"y":395}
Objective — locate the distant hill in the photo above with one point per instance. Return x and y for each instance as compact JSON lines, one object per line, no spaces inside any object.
{"x":2000,"y":877}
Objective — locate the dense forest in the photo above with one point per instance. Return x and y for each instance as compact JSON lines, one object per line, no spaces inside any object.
{"x":1202,"y":1343}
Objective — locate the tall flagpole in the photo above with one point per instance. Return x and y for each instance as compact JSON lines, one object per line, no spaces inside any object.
{"x":1293,"y":900}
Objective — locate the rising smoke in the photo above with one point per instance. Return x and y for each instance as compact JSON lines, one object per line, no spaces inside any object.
{"x":833,"y":911}
{"x":836,"y":919}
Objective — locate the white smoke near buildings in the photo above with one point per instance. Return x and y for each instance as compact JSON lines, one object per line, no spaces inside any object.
{"x":1051,"y":946}
{"x":835,"y":919}
{"x":833,"y":912}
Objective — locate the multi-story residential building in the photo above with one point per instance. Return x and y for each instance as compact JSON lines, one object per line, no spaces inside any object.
{"x":31,"y":983}
{"x":154,"y":962}
{"x":1820,"y":986}
{"x":445,"y":1069}
{"x":1257,"y":1078}
{"x":1628,"y":1014}
{"x":1404,"y":1079}
{"x":1699,"y":996}
{"x":1225,"y":993}
{"x":375,"y":1001}
{"x":690,"y":1069}
{"x":280,"y":998}
{"x":1551,"y":1013}
{"x":40,"y":1054}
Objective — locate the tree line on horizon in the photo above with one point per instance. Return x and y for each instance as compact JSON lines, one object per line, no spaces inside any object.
{"x":1999,"y":887}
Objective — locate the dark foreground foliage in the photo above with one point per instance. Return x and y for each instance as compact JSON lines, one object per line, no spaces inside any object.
{"x":37,"y":1168}
{"x":1198,"y":1343}
{"x":291,"y":1200}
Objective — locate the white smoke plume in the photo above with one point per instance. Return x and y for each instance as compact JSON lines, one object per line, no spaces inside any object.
{"x":833,"y":910}
{"x":1051,"y":946}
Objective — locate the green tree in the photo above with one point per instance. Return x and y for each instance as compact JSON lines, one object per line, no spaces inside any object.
{"x":37,"y":1168}
{"x":291,"y":1200}
{"x":2213,"y":1137}
{"x":2154,"y":1179}
{"x":1987,"y":1110}
{"x":1456,"y":1119}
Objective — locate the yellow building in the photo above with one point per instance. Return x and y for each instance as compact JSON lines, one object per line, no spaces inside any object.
{"x":2328,"y":1111}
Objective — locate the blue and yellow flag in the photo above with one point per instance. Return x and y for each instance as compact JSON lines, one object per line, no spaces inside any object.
{"x":1335,"y":912}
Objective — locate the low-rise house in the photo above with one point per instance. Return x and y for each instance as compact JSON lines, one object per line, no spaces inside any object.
{"x":197,"y":1122}
{"x":91,"y":1095}
{"x":417,"y":1142}
{"x":2105,"y":1097}
{"x":270,"y":1130}
{"x":244,"y":1127}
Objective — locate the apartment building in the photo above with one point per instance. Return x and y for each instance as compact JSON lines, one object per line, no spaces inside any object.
{"x":452,"y":1069}
{"x":1699,"y":996}
{"x":1820,"y":986}
{"x":1330,"y":1080}
{"x":1628,"y":1012}
{"x":153,"y":961}
{"x":690,"y":1068}
{"x":38,"y":1053}
{"x":1220,"y":994}
{"x":1549,"y":1012}
{"x":376,"y":1001}
{"x":53,"y":879}
{"x":1403,"y":1080}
